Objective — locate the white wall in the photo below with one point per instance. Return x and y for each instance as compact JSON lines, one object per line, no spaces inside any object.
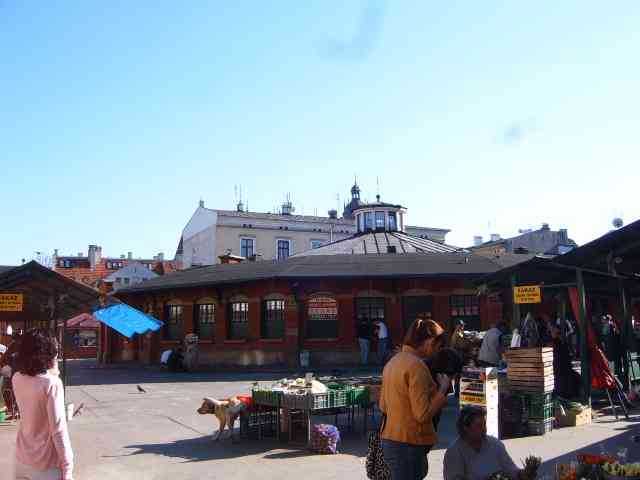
{"x":202,"y":219}
{"x":200,"y":249}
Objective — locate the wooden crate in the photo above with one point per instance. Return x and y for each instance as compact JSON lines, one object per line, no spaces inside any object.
{"x":540,"y":354}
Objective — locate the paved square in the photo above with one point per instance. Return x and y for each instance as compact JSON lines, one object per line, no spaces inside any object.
{"x":124,"y":434}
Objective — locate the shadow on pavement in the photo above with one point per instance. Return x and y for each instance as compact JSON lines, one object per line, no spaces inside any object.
{"x":202,"y":449}
{"x":613,"y":445}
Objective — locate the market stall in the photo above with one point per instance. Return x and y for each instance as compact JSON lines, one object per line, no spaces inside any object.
{"x":286,"y":408}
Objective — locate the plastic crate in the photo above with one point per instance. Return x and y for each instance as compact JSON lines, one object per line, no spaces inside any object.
{"x":541,"y":412}
{"x":331,"y":399}
{"x":358,"y":396}
{"x":259,"y":424}
{"x":538,"y":398}
{"x":266,"y":397}
{"x":512,"y":408}
{"x":297,"y":401}
{"x":539,"y":427}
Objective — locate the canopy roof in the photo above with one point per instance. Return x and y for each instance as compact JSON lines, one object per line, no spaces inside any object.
{"x":45,"y":288}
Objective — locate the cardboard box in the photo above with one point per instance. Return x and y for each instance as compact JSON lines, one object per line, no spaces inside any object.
{"x":575,"y":419}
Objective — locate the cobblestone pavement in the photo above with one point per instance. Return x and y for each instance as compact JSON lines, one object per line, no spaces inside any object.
{"x":124,"y":434}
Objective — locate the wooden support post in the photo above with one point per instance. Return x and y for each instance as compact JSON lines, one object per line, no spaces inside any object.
{"x":585,"y":365}
{"x":625,"y":333}
{"x":515,"y":317}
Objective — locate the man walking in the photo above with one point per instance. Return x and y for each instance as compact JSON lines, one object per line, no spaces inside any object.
{"x":364,"y":339}
{"x":491,"y":348}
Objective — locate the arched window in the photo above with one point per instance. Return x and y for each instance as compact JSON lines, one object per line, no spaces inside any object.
{"x":322,"y":317}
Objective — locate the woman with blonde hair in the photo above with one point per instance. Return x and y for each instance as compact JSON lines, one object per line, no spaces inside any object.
{"x":409,"y":399}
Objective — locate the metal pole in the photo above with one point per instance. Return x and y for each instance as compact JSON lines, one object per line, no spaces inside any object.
{"x":515,"y":320}
{"x":64,"y":359}
{"x":625,"y":331}
{"x":585,"y":365}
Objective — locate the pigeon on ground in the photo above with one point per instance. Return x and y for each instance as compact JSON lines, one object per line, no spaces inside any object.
{"x":78,"y":410}
{"x":141,"y":390}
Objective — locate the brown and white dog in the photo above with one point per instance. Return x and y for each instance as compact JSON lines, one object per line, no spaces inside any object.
{"x":226,"y":411}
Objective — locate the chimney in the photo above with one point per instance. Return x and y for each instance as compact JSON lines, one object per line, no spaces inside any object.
{"x":563,"y":236}
{"x":495,"y":237}
{"x":55,"y":252}
{"x":545,"y":226}
{"x":129,"y":255}
{"x":95,"y":256}
{"x":201,"y":203}
{"x":333,"y":214}
{"x":161,"y":257}
{"x":477,"y":241}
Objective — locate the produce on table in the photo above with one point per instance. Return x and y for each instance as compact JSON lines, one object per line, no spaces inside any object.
{"x":591,"y":459}
{"x":622,"y":469}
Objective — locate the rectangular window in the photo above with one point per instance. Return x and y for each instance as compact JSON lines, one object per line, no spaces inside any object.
{"x":247,"y":247}
{"x":370,"y":309}
{"x":173,"y":323}
{"x":466,"y":308}
{"x":126,"y":281}
{"x":206,"y":320}
{"x":316,"y":243}
{"x":392,"y":221}
{"x":283,"y":249}
{"x":238,"y":321}
{"x":379,"y":220}
{"x":368,"y":221}
{"x":361,"y":223}
{"x":272,"y":325}
{"x":322,"y":318}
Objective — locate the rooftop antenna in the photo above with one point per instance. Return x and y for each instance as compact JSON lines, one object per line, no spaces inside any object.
{"x":378,"y":189}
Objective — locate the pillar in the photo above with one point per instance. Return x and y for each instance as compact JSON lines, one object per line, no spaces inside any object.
{"x":187,"y":319}
{"x":255,"y":314}
{"x":626,"y":332}
{"x":515,"y":315}
{"x":222,"y":311}
{"x":394,"y":320}
{"x":585,"y":365}
{"x":293,"y":331}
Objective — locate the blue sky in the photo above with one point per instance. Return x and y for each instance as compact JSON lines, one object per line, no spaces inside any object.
{"x":117,"y":117}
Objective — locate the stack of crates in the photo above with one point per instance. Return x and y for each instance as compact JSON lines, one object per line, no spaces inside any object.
{"x":512,"y":417}
{"x":539,"y":412}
